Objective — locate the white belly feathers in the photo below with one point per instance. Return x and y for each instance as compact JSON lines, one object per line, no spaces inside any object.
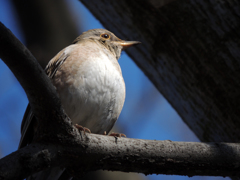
{"x":95,"y":99}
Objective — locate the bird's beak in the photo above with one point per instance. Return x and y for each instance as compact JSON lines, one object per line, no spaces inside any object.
{"x":127,"y":44}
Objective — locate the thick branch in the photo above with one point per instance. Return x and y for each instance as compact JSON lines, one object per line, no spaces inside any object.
{"x":190,"y":51}
{"x":41,"y":94}
{"x":29,"y":73}
{"x":128,"y":155}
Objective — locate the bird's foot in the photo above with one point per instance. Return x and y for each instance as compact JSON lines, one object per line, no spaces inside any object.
{"x":81,"y":128}
{"x":115,"y":134}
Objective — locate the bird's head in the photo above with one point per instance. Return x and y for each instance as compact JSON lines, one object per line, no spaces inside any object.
{"x":108,"y":39}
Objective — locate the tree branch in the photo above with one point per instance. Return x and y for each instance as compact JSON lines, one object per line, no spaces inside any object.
{"x":41,"y":93}
{"x":29,"y":73}
{"x":95,"y":152}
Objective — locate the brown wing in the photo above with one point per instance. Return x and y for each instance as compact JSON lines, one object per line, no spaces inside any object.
{"x":29,"y":120}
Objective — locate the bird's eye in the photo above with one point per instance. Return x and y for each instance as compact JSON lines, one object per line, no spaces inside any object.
{"x":105,"y":36}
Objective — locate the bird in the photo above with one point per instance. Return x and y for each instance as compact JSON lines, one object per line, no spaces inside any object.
{"x":90,"y":85}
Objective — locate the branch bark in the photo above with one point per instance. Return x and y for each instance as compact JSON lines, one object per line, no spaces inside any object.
{"x":31,"y":76}
{"x":190,"y":51}
{"x":95,"y":152}
{"x":41,"y":94}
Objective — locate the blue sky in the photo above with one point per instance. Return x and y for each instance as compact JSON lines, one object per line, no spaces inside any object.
{"x":146,"y":113}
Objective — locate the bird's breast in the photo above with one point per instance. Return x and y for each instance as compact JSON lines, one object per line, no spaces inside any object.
{"x":92,"y":90}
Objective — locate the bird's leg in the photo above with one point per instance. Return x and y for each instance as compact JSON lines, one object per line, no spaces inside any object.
{"x":115,"y":134}
{"x":81,"y":128}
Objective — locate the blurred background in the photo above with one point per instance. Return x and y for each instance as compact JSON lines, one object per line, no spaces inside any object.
{"x":46,"y":27}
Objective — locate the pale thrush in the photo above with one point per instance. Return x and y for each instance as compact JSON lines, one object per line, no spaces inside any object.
{"x":90,"y":85}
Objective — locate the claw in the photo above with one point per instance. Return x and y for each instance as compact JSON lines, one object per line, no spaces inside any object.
{"x":81,"y":128}
{"x":117,"y":134}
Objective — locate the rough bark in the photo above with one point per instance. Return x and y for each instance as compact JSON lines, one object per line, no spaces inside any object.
{"x":42,"y":95}
{"x":191,"y":52}
{"x":94,"y":152}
